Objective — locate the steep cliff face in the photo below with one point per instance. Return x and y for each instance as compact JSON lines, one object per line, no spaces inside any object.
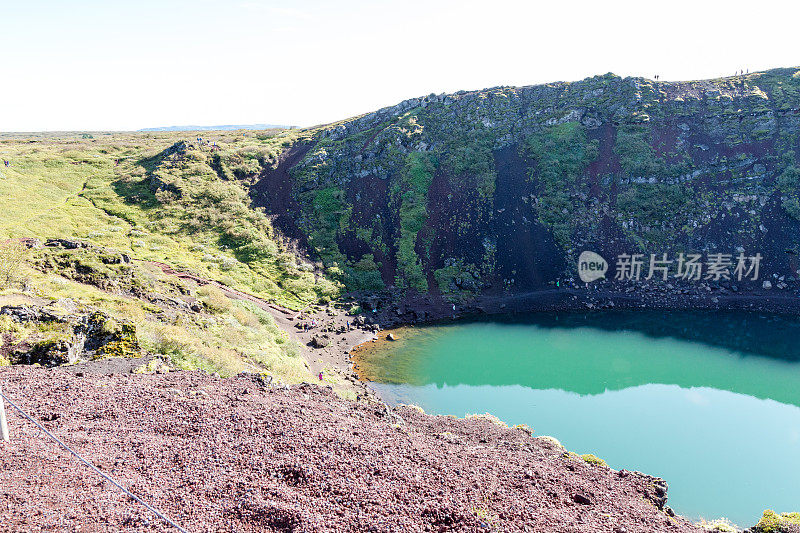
{"x":501,"y":189}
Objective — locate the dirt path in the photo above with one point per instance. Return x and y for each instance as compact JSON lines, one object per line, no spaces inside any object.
{"x":330,"y":324}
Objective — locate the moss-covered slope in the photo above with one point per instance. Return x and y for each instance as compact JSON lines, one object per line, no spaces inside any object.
{"x":501,"y":189}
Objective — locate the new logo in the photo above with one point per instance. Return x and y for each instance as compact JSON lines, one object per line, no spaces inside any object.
{"x":591,"y":266}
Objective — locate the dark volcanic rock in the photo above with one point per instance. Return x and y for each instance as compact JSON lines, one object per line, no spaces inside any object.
{"x":240,"y":455}
{"x":66,"y":243}
{"x":69,"y":337}
{"x":320,"y":341}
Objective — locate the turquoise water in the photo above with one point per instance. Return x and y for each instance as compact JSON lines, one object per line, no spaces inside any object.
{"x":711,"y":403}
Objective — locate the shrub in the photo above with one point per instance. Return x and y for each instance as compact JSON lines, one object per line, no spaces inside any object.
{"x":364,"y":275}
{"x":329,"y":207}
{"x":488,"y":417}
{"x":772,"y":522}
{"x":636,"y":156}
{"x":651,"y":203}
{"x":179,"y":353}
{"x":214,"y":299}
{"x":788,"y":183}
{"x":13,"y":256}
{"x":792,"y":207}
{"x":551,"y":440}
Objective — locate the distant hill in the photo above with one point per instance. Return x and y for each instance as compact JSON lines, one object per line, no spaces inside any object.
{"x":216,"y":128}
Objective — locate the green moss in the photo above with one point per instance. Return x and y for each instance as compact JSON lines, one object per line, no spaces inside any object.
{"x":562,"y":154}
{"x":329,"y":210}
{"x":411,"y":193}
{"x":122,"y":338}
{"x":51,"y":350}
{"x":788,"y":182}
{"x":593,"y":459}
{"x":772,"y":522}
{"x":636,"y":155}
{"x":364,"y":275}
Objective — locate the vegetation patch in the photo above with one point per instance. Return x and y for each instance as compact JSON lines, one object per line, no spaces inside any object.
{"x":13,"y":255}
{"x":788,"y":183}
{"x":330,"y":215}
{"x":411,"y":193}
{"x":364,"y":275}
{"x":562,"y":154}
{"x":772,"y":522}
{"x":721,"y":525}
{"x":157,"y":197}
{"x":457,"y":280}
{"x":636,"y":155}
{"x":593,"y":459}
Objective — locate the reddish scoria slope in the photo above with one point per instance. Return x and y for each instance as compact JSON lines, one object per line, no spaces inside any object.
{"x":235,"y":455}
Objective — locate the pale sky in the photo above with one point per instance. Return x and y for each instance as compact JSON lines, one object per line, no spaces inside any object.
{"x":113,"y":65}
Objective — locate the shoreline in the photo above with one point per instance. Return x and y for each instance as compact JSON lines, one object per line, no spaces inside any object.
{"x":774,"y":305}
{"x":337,"y":359}
{"x":383,"y":313}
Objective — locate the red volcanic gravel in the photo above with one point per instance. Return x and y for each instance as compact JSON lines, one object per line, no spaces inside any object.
{"x":237,"y":455}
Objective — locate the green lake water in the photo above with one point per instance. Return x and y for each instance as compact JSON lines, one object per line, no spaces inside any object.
{"x":708,"y":401}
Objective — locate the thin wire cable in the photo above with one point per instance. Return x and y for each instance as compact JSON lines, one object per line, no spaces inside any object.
{"x":90,"y":465}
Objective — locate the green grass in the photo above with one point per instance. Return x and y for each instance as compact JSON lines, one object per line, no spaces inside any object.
{"x":125,"y":192}
{"x":133,"y":194}
{"x":234,"y":336}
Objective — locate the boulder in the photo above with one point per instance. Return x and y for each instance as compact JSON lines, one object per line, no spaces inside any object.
{"x":320,"y":341}
{"x":24,"y":313}
{"x":581,"y":499}
{"x":66,"y":243}
{"x":51,"y":352}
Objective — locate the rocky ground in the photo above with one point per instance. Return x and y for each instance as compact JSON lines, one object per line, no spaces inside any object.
{"x":240,"y":455}
{"x":390,"y":310}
